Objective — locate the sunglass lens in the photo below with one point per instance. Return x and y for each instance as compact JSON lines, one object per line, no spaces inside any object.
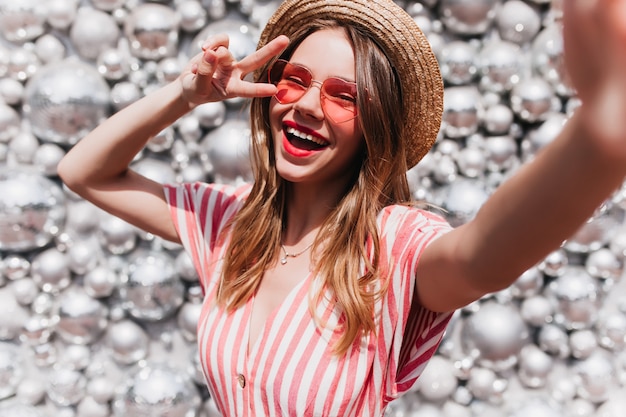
{"x":339,"y":99}
{"x":292,"y":81}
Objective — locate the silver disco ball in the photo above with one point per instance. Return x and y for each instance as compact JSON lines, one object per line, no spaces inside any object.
{"x":127,"y":341}
{"x":577,"y":298}
{"x":468,"y":17}
{"x":11,"y":370}
{"x":81,"y":318}
{"x":9,"y":123}
{"x":32,"y":209}
{"x":518,"y":21}
{"x":547,"y":58}
{"x":463,"y":199}
{"x":93,"y":32}
{"x":226,"y":151}
{"x":495,"y":335}
{"x":500,"y":65}
{"x":22,"y":20}
{"x":462,"y":111}
{"x":157,"y":389}
{"x":151,"y":289}
{"x":152,"y":30}
{"x":66,"y":100}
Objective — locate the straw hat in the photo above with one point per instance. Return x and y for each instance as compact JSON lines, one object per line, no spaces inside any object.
{"x":402,"y":41}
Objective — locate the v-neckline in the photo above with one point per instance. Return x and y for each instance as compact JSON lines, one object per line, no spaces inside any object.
{"x":251,"y":348}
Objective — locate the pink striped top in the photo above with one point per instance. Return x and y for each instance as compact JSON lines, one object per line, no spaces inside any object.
{"x":290,"y":370}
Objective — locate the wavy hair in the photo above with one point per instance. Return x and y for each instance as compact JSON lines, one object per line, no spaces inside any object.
{"x":348,"y":257}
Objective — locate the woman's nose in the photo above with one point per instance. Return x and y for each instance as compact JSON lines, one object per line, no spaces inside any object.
{"x":310,"y":104}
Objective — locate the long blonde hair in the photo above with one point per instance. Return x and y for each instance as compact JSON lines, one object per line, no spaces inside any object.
{"x":347,"y":267}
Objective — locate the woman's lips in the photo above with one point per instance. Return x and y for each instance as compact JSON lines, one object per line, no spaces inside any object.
{"x":301,"y":141}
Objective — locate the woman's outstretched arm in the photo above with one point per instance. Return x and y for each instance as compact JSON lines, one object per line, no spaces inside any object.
{"x":97,"y":168}
{"x":549,"y":199}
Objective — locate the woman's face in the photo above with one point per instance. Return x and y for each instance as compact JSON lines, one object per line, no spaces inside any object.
{"x":310,"y":146}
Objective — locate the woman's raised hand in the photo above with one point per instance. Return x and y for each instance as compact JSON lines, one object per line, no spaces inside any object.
{"x":214,"y":74}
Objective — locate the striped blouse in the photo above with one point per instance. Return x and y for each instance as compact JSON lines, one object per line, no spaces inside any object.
{"x":291,"y":370}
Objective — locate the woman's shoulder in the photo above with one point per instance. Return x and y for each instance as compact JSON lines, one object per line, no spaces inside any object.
{"x":218,"y":188}
{"x":401,"y":214}
{"x":207,"y":190}
{"x":401,"y":226}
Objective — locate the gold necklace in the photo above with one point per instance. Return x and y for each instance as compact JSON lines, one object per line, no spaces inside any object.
{"x":283,"y":260}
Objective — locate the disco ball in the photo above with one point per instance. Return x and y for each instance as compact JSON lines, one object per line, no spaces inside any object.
{"x":93,"y":32}
{"x":152,"y":290}
{"x":157,"y":389}
{"x":66,"y":386}
{"x":81,"y":318}
{"x":597,"y":377}
{"x":547,"y":58}
{"x":533,"y":100}
{"x":128,"y":342}
{"x":577,"y":298}
{"x":462,"y":111}
{"x":12,"y":316}
{"x":517,"y":21}
{"x":32,"y":209}
{"x":463,"y":199}
{"x":495,"y":334}
{"x":11,"y":369}
{"x":438,"y":381}
{"x":108,"y":5}
{"x":535,"y":366}
{"x":226,"y":151}
{"x":193,"y":16}
{"x":22,"y":20}
{"x":457,"y":60}
{"x":66,"y":100}
{"x":61,"y":13}
{"x":152,"y":30}
{"x":500,"y":65}
{"x":468,"y":17}
{"x":9,"y":123}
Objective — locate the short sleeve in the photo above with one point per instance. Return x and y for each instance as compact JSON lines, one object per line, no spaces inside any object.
{"x":413,"y":333}
{"x":200,"y":212}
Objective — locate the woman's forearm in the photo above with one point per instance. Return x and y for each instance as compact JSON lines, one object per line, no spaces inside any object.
{"x":544,"y":204}
{"x":106,"y":152}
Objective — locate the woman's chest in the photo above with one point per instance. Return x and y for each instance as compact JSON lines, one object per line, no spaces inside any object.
{"x":290,"y":368}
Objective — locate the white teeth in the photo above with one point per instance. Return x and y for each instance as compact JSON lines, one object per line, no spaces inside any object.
{"x":304,"y":136}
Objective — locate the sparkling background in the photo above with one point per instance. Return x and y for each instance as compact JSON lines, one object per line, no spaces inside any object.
{"x":98,"y":318}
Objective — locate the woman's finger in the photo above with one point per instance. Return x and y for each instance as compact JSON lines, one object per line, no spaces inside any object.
{"x":215,"y":41}
{"x":264,"y":54}
{"x":204,"y":71}
{"x":250,"y":90}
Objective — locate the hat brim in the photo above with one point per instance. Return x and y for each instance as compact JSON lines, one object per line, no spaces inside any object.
{"x":404,"y":43}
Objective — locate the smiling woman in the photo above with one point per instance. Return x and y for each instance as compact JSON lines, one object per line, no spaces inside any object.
{"x":327,"y":120}
{"x":326,"y":290}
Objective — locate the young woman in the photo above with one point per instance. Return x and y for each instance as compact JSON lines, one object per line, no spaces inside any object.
{"x":325,"y":292}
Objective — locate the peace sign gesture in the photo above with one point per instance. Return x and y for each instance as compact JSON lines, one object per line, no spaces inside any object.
{"x":214,"y":74}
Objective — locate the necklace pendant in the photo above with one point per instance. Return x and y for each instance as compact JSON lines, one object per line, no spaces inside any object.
{"x":283,"y":260}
